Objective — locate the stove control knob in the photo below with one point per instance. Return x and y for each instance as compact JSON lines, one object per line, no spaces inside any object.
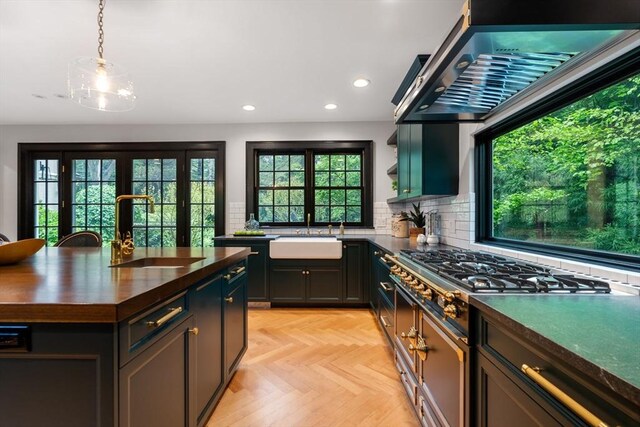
{"x":408,"y":279}
{"x":395,"y":269}
{"x":418,"y":286}
{"x":451,"y":311}
{"x":449,"y":296}
{"x":427,"y":293}
{"x":404,"y":274}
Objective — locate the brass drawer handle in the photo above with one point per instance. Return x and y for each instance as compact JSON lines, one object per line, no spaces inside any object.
{"x":384,"y":322}
{"x":254,"y":253}
{"x":229,"y":299}
{"x":194,"y":331}
{"x":173,"y":312}
{"x":385,"y":286}
{"x":564,"y":398}
{"x":239,"y":270}
{"x":376,"y":253}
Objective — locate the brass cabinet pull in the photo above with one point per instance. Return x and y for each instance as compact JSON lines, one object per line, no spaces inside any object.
{"x":384,"y":322}
{"x":227,"y":277}
{"x":376,"y":253}
{"x":229,"y":299}
{"x":385,"y":286}
{"x":254,"y":253}
{"x":406,"y":190}
{"x":239,"y":270}
{"x":173,"y":312}
{"x":194,"y":331}
{"x":564,"y":398}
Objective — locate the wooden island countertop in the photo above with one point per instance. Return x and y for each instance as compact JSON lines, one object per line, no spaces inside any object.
{"x":77,"y":285}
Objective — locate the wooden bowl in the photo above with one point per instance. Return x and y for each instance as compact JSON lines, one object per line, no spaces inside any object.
{"x":14,"y":252}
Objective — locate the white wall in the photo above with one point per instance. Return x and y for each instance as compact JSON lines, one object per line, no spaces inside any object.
{"x":235,"y":136}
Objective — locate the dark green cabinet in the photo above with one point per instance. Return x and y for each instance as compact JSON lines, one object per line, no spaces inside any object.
{"x":258,"y":266}
{"x":155,"y":385}
{"x":427,"y":160}
{"x":354,"y":261}
{"x":235,"y":320}
{"x":306,"y":281}
{"x":206,"y":306}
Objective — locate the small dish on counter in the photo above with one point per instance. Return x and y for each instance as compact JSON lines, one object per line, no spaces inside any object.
{"x":249,"y":233}
{"x":14,"y":252}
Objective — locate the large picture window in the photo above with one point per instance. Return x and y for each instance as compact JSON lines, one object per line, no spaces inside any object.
{"x":73,"y":187}
{"x":569,"y":180}
{"x":328,"y":182}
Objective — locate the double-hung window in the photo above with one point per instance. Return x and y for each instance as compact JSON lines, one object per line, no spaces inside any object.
{"x":320,"y":182}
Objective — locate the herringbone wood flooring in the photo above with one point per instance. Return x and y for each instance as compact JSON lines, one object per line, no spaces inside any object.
{"x":314,"y":368}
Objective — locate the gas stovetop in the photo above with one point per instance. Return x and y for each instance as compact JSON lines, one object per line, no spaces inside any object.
{"x":484,"y":272}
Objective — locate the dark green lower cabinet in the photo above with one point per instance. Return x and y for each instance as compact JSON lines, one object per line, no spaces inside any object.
{"x":235,"y":322}
{"x":306,"y":281}
{"x":354,"y":261}
{"x":258,"y":266}
{"x":206,"y":305}
{"x":154,"y":386}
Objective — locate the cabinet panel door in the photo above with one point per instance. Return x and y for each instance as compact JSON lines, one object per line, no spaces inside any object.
{"x":207,"y":307}
{"x":163,"y":371}
{"x":287,"y":284}
{"x":324,"y":284}
{"x":415,"y":168}
{"x":353,"y":265}
{"x":257,"y":287}
{"x":235,"y":323}
{"x":404,"y":141}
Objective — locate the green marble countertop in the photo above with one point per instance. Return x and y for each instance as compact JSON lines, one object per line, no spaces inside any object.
{"x":600,"y":334}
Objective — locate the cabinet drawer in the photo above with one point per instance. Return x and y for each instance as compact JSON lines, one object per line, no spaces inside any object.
{"x":386,"y":288}
{"x":386,"y":320}
{"x":142,"y":330}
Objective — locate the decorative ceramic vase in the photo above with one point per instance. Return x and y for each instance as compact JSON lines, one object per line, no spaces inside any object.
{"x":432,"y":239}
{"x":421,"y":239}
{"x":252,"y":224}
{"x":399,"y":228}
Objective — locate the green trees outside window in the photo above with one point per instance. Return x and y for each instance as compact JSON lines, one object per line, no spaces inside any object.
{"x":572,"y":178}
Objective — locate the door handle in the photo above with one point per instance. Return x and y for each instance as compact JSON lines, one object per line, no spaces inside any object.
{"x":173,"y":312}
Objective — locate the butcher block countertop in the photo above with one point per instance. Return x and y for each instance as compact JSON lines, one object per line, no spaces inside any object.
{"x":77,"y":285}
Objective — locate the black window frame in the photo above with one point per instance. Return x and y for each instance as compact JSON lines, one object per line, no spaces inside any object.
{"x":64,"y":152}
{"x":309,"y":148}
{"x":619,"y":69}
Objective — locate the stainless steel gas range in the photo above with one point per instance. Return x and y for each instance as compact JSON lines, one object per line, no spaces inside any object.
{"x":432,"y":335}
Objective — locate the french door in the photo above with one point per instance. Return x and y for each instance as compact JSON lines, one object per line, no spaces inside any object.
{"x":69,"y":191}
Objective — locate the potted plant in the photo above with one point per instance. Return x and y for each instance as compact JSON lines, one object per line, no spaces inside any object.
{"x":419,"y":220}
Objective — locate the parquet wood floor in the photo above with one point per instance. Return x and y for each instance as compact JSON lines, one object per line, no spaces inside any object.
{"x":314,"y":368}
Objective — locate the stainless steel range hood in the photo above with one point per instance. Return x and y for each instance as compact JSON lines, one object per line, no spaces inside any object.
{"x":499,"y":48}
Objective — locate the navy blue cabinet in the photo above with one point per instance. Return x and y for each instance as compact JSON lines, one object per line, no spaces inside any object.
{"x":258,"y":268}
{"x":306,"y":281}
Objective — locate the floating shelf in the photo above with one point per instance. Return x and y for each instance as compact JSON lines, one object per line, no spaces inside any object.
{"x":393,"y":170}
{"x":393,"y":139}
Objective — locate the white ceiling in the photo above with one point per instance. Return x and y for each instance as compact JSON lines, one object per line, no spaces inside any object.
{"x":199,"y":61}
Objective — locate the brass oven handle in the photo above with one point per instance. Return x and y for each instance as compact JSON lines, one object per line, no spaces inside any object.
{"x":384,"y":322}
{"x":173,"y":312}
{"x":385,"y":286}
{"x":384,"y":260}
{"x":564,"y":398}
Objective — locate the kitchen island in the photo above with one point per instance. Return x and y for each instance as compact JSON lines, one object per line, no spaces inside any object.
{"x":151,"y":343}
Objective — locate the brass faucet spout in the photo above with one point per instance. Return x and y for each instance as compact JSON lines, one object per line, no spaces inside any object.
{"x":116,"y":243}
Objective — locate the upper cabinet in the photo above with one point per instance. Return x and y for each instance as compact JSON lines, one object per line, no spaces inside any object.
{"x":427,"y":161}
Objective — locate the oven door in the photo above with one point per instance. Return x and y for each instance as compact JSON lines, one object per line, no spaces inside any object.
{"x":406,"y":328}
{"x":442,"y":371}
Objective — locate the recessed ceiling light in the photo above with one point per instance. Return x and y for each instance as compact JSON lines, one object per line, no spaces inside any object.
{"x":330,"y":107}
{"x":248,"y":107}
{"x":361,"y":82}
{"x":37,"y":95}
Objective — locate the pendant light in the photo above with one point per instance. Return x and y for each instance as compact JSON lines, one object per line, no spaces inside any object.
{"x":99,"y":84}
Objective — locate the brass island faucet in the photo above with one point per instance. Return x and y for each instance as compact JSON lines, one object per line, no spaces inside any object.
{"x":117,"y":246}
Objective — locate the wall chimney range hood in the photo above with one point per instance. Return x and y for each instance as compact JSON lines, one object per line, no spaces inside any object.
{"x":499,"y":48}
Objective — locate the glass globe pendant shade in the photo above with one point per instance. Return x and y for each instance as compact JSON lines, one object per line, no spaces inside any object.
{"x":101,"y":85}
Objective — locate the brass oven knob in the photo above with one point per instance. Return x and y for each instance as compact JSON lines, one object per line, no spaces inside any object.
{"x":404,"y":275}
{"x":408,"y":279}
{"x":419,"y":286}
{"x":449,"y":296}
{"x":427,"y":293}
{"x":451,"y":311}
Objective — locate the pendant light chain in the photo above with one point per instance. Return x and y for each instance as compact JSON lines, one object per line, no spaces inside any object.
{"x":100,"y":30}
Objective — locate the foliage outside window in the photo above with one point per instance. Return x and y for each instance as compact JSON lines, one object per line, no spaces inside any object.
{"x":46,"y":201}
{"x":281,"y":188}
{"x":572,"y":178}
{"x":338,"y":187}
